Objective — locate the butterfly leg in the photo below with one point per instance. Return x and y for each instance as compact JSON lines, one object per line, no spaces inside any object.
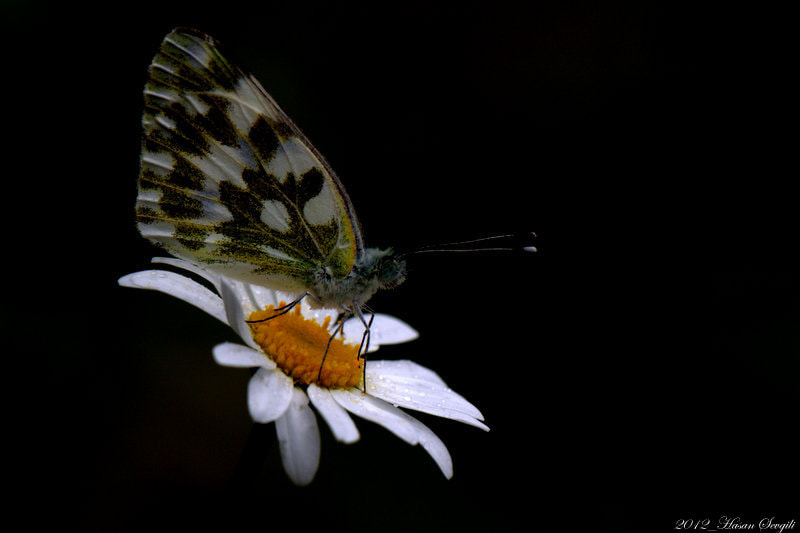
{"x":281,"y":310}
{"x":362,"y":350}
{"x":339,"y":323}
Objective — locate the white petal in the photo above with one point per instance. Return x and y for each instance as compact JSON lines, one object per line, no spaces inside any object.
{"x":236,"y":355}
{"x":342,"y":426}
{"x":268,"y":395}
{"x":411,"y":370}
{"x":298,"y":437}
{"x":318,"y":314}
{"x":256,"y":298}
{"x":235,"y":312}
{"x":191,"y":267}
{"x":251,"y":297}
{"x":261,"y":296}
{"x":286,"y":297}
{"x":377,"y":411}
{"x":392,"y":330}
{"x":407,"y":384}
{"x":434,"y":446}
{"x":401,"y":424}
{"x":178,"y":286}
{"x":385,"y":329}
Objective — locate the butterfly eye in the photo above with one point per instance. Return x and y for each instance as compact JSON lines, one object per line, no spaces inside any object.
{"x":391,"y":272}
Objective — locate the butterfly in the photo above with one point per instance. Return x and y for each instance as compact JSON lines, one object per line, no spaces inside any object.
{"x":229,"y":182}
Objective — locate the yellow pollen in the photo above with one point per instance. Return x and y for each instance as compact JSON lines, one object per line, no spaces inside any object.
{"x":297,"y":346}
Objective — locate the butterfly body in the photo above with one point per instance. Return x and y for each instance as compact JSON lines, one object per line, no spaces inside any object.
{"x":229,"y":182}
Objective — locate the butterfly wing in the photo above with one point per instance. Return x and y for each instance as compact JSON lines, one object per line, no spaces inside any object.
{"x":229,"y":181}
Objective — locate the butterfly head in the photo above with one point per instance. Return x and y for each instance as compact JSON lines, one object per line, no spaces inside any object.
{"x":390,"y":269}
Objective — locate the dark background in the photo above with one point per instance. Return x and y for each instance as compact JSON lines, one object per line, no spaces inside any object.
{"x":641,"y":369}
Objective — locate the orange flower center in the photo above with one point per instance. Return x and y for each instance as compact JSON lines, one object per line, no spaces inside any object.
{"x":297,"y":346}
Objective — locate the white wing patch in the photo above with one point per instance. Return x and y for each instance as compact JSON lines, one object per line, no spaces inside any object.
{"x":148,"y":196}
{"x":275,"y":215}
{"x":163,"y":94}
{"x":296,"y":159}
{"x":321,"y":209}
{"x":157,"y":231}
{"x":198,"y":53}
{"x":167,"y":123}
{"x":277,"y":254}
{"x":247,"y":105}
{"x":222,"y":164}
{"x":198,"y":107}
{"x":159,"y":163}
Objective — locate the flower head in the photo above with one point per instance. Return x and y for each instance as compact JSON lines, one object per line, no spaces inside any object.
{"x":287,"y":353}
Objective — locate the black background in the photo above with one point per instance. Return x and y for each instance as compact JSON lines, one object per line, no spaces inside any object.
{"x":641,"y":369}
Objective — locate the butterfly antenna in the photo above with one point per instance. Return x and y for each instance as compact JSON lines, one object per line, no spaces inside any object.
{"x":280,"y":310}
{"x":449,"y":247}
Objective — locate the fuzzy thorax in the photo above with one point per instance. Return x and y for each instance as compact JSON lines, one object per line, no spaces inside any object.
{"x":374,"y":270}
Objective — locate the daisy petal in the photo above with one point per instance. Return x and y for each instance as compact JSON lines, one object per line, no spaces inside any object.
{"x":298,"y":437}
{"x":319,"y":314}
{"x":385,"y":329}
{"x":342,"y":426}
{"x":401,"y":424}
{"x":268,"y":395}
{"x":411,"y":370}
{"x":434,"y":446}
{"x":236,"y":355}
{"x":407,"y":384}
{"x":191,"y":267}
{"x":377,"y":411}
{"x":235,"y":312}
{"x":255,"y":298}
{"x":178,"y":286}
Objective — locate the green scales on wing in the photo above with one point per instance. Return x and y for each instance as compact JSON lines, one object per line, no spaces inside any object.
{"x":228,"y":181}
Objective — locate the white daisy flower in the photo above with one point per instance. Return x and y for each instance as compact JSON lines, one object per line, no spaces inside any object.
{"x":287,"y":352}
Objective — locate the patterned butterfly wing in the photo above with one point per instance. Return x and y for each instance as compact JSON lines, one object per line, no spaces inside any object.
{"x":227,"y":179}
